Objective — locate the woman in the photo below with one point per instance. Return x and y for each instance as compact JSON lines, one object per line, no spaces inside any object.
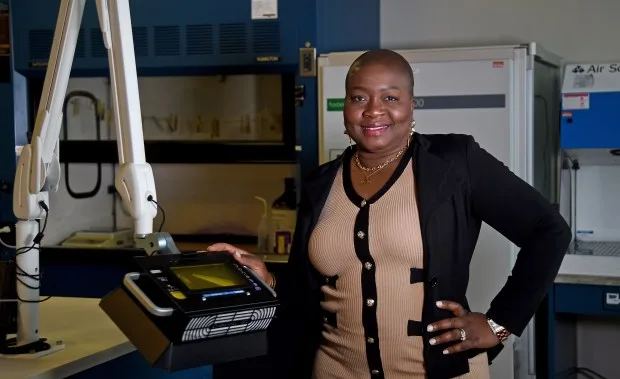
{"x":379,"y":267}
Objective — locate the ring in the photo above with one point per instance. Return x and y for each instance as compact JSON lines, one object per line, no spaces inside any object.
{"x":463,"y":334}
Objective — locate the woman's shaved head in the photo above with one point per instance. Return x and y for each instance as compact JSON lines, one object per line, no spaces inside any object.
{"x":388,"y":58}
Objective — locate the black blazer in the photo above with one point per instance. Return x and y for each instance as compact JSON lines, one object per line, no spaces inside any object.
{"x":459,"y":185}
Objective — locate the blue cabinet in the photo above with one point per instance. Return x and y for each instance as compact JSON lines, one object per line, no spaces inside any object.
{"x":185,"y":36}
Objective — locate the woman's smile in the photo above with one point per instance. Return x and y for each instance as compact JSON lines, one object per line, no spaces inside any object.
{"x":374,"y":129}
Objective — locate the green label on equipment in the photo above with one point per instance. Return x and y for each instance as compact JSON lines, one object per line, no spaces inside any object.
{"x":335,"y":105}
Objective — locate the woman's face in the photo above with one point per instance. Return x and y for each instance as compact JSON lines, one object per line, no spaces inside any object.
{"x":378,"y":108}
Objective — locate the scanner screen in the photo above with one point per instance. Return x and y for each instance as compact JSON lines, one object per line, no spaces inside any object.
{"x":209,"y":276}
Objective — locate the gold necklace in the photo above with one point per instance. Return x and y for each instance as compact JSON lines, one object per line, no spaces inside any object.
{"x":376,"y":169}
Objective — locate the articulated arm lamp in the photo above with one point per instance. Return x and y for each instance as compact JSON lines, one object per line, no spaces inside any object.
{"x":38,"y":170}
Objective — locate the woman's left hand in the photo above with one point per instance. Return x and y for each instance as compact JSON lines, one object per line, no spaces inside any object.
{"x":472,"y":326}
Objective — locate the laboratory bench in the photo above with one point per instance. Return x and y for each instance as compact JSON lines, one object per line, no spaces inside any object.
{"x":575,"y":299}
{"x":77,"y":279}
{"x":93,"y":347}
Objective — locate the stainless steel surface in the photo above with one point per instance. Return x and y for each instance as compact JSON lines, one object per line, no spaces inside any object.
{"x":597,"y":248}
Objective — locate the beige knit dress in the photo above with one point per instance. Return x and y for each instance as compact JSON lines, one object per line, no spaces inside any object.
{"x":351,"y":242}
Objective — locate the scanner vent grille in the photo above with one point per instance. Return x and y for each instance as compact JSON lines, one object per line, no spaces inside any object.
{"x":226,"y":324}
{"x":233,"y":39}
{"x":199,"y":39}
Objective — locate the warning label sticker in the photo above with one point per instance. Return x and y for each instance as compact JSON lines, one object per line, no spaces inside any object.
{"x":573,"y":101}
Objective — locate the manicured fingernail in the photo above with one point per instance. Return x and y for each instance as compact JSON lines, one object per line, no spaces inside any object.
{"x":440,"y":303}
{"x":432,"y":341}
{"x":445,"y":352}
{"x":429,"y":328}
{"x":237,"y":254}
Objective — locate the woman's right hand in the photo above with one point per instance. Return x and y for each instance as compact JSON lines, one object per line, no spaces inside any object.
{"x":247,"y":259}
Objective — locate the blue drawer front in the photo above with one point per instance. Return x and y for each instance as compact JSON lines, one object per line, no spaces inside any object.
{"x":595,"y":128}
{"x":592,"y":300}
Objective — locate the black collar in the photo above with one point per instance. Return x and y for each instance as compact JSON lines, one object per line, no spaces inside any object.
{"x":435,"y":176}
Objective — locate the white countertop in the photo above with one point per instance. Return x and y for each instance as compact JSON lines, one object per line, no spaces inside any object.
{"x":591,"y":266}
{"x":89,"y":336}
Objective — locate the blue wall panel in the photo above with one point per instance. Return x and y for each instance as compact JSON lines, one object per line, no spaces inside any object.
{"x":348,"y":25}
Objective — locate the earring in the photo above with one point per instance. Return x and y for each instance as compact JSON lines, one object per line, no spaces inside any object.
{"x":412,"y":131}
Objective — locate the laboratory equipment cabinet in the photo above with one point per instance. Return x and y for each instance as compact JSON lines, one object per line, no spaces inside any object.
{"x":590,"y":141}
{"x":584,"y":308}
{"x":202,"y":38}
